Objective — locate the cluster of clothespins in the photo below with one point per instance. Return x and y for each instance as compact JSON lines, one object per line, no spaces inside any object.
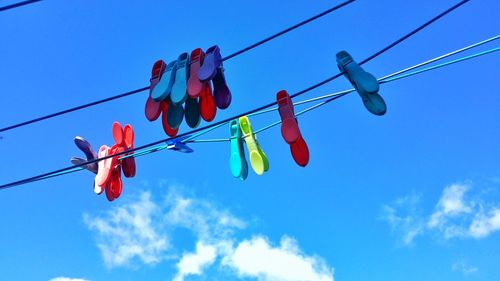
{"x":108,"y":172}
{"x":183,"y":89}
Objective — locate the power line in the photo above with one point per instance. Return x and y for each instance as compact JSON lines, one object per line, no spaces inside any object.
{"x":404,"y":73}
{"x":222,"y":122}
{"x":246,"y":49}
{"x":19,"y":4}
{"x":332,"y":97}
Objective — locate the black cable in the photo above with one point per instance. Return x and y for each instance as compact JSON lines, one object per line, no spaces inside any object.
{"x":147,"y":87}
{"x":16,"y":5}
{"x":45,"y":175}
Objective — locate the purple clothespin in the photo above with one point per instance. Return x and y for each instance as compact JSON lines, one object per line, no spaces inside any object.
{"x":86,"y":148}
{"x":212,"y":69}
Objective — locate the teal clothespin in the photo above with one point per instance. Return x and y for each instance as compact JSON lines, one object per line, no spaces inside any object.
{"x":237,"y":161}
{"x":365,"y":84}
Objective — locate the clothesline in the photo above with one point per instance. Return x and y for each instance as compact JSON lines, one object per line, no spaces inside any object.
{"x":401,"y":74}
{"x":140,"y":90}
{"x":225,"y":121}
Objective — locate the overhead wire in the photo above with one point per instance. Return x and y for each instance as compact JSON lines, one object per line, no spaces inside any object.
{"x":132,"y":92}
{"x":220,"y":123}
{"x":382,"y":80}
{"x":17,"y":5}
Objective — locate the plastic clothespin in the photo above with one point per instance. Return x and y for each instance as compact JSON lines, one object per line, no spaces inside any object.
{"x":212,"y":70}
{"x":365,"y":84}
{"x":179,"y":93}
{"x":162,"y":90}
{"x":171,"y":132}
{"x":290,"y":129}
{"x":152,"y":108}
{"x":177,"y":144}
{"x":108,"y":177}
{"x":258,"y":159}
{"x":237,"y":160}
{"x":86,"y":148}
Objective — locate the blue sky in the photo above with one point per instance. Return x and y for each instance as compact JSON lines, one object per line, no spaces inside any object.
{"x":411,"y":195}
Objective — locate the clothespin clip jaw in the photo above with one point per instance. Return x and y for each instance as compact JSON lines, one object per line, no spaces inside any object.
{"x":177,"y":144}
{"x":365,"y":83}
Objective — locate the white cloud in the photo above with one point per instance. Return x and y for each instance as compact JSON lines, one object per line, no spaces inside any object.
{"x":128,"y":231}
{"x":463,"y":267}
{"x":483,"y":225}
{"x":257,"y":258}
{"x":141,"y":230}
{"x":67,"y":279}
{"x":209,"y":222}
{"x":193,"y":263}
{"x":451,"y":204}
{"x":408,"y":225}
{"x":456,"y":215}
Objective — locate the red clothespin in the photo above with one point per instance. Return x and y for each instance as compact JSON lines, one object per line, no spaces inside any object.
{"x":152,"y":108}
{"x":108,"y":176}
{"x":290,"y":129}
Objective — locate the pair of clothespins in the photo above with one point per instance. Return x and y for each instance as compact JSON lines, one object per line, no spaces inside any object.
{"x":108,"y":171}
{"x":290,"y":129}
{"x":365,"y":83}
{"x":241,"y":130}
{"x":187,"y":81}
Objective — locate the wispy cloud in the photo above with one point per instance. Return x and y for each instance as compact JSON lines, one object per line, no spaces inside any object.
{"x":216,"y":231}
{"x":464,"y":268}
{"x":457,"y":214}
{"x":67,"y":279}
{"x":404,"y":219}
{"x":130,"y":231}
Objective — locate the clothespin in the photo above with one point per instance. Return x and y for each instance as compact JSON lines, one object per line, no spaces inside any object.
{"x":290,"y":129}
{"x":162,"y":90}
{"x":171,"y":132}
{"x":177,"y":144}
{"x":152,"y":108}
{"x":208,"y":109}
{"x":179,"y":93}
{"x":258,"y":159}
{"x":199,"y":89}
{"x":108,"y":177}
{"x":237,"y":160}
{"x":212,"y":70}
{"x":86,"y":148}
{"x":365,"y":84}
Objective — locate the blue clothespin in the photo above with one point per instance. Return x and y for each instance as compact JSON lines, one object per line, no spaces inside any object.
{"x":177,"y":145}
{"x":365,"y":84}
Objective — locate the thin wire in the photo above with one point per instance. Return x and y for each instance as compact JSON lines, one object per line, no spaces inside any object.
{"x":80,"y":107}
{"x":442,"y":64}
{"x":387,"y":76}
{"x":333,"y":95}
{"x":38,"y":177}
{"x":341,"y":93}
{"x":442,"y":57}
{"x":414,"y":31}
{"x":17,"y":5}
{"x":288,"y":29}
